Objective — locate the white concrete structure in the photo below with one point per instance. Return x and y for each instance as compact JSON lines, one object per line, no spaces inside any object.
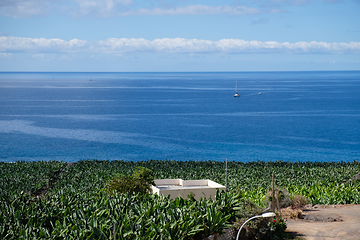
{"x":178,"y":187}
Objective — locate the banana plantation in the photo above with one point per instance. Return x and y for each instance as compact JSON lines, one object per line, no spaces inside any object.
{"x":57,"y":200}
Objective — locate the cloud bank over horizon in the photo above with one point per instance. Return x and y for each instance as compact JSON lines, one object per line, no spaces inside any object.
{"x":171,"y":45}
{"x":163,"y":35}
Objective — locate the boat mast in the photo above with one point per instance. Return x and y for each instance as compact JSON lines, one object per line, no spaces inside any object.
{"x":236,"y":93}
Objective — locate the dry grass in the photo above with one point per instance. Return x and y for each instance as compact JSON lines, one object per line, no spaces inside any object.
{"x":290,"y":213}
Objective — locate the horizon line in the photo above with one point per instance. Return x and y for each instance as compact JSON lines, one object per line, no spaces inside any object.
{"x":179,"y":71}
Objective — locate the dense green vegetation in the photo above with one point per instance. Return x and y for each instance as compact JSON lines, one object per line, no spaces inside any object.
{"x":77,"y":206}
{"x":321,"y":182}
{"x":140,"y":182}
{"x":26,"y":177}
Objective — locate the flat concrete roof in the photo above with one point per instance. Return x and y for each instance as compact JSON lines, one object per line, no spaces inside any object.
{"x":165,"y":187}
{"x":178,"y":187}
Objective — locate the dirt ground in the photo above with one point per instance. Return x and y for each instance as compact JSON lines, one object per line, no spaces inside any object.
{"x":327,"y":222}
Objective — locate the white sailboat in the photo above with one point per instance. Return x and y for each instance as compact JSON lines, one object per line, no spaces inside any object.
{"x":236,"y":93}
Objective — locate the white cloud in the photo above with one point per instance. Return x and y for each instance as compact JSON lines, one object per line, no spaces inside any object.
{"x":171,"y":45}
{"x":5,"y":55}
{"x":24,"y":8}
{"x":110,"y":8}
{"x":27,"y":8}
{"x":296,"y":2}
{"x":42,"y":45}
{"x":194,"y":10}
{"x":39,"y":55}
{"x":103,"y":8}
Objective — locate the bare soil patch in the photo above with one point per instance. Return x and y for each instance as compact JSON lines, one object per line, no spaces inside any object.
{"x":327,"y":222}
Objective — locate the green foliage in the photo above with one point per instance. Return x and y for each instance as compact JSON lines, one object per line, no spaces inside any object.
{"x":140,"y":182}
{"x":74,"y":215}
{"x":27,"y":177}
{"x":75,"y":206}
{"x":275,"y":228}
{"x":259,"y":228}
{"x":282,"y":198}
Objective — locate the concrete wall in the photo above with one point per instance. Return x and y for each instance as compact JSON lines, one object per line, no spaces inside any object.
{"x":195,"y":183}
{"x":168,"y":182}
{"x":183,"y":188}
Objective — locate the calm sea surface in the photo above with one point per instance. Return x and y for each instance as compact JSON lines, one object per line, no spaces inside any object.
{"x":299,"y":116}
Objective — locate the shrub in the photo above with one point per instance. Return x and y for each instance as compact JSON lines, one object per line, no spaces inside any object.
{"x":139,"y":182}
{"x":259,"y":228}
{"x":299,"y":201}
{"x":282,"y":198}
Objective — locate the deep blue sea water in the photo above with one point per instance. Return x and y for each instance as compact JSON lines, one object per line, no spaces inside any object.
{"x":299,"y":116}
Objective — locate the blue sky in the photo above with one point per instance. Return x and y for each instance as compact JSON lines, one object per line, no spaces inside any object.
{"x":179,"y":35}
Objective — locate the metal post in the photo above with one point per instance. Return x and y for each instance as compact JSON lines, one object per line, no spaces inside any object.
{"x":226,"y":175}
{"x":114,"y":231}
{"x":273,"y":194}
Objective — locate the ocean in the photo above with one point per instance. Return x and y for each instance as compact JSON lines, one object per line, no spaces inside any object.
{"x":289,"y":116}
